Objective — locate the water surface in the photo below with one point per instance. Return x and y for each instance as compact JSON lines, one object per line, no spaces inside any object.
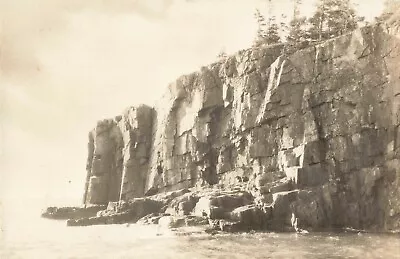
{"x":43,"y":238}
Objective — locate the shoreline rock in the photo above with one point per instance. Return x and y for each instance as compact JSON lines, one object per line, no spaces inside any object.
{"x":229,"y":210}
{"x":62,"y":213}
{"x":233,"y":216}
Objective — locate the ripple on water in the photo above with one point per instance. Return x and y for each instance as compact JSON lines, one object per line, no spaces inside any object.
{"x":52,"y":239}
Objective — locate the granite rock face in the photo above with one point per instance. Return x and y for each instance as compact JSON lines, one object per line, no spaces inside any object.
{"x":314,"y":137}
{"x":119,"y":152}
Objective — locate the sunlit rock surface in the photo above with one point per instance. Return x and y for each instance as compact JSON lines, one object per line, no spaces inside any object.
{"x":119,"y":152}
{"x":313,"y":138}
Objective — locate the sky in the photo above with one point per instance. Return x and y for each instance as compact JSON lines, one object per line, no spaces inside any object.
{"x":66,"y":64}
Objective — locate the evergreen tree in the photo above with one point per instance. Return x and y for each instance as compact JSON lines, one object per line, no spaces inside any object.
{"x":298,"y":37}
{"x":272,"y":34}
{"x":261,"y":29}
{"x":268,"y":30}
{"x":332,"y":18}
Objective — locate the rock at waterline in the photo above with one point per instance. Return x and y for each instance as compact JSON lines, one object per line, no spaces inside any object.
{"x":119,"y":213}
{"x":71,"y":212}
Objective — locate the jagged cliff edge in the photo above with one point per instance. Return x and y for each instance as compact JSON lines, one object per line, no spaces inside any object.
{"x":317,"y":132}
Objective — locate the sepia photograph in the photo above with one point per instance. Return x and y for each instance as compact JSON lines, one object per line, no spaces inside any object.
{"x":199,"y":129}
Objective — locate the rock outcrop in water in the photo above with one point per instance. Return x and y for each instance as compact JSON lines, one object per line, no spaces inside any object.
{"x":263,"y":141}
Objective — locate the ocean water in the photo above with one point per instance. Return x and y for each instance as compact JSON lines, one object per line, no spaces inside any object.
{"x":43,"y":238}
{"x":24,"y":234}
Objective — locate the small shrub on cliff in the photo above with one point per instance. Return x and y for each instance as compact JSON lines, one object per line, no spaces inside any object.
{"x":222,"y":56}
{"x":391,"y":12}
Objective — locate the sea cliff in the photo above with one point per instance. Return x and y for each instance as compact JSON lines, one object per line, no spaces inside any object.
{"x":261,"y":140}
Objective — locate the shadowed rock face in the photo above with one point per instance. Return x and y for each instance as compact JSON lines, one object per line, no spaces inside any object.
{"x":315,"y":135}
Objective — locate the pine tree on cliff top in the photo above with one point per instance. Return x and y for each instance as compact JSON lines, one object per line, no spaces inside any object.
{"x":332,"y":18}
{"x":261,"y":28}
{"x":298,"y":35}
{"x":268,"y":29}
{"x":272,"y":35}
{"x":266,"y":33}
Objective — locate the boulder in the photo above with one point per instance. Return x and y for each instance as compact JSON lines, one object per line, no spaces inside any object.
{"x":282,"y":186}
{"x":171,"y":222}
{"x":250,"y":216}
{"x":231,"y":226}
{"x":152,"y":218}
{"x":220,"y":204}
{"x":140,"y":207}
{"x":309,"y":210}
{"x":182,"y":221}
{"x":281,"y":210}
{"x":182,"y":205}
